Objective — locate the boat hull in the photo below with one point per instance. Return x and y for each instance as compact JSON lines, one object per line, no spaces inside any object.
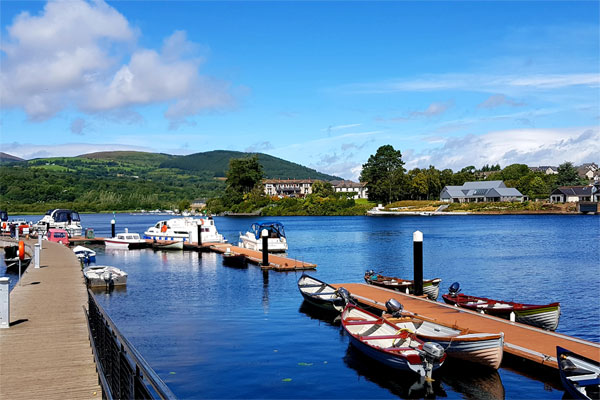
{"x":320,"y":294}
{"x":431,"y":287}
{"x":235,"y":260}
{"x":274,"y":245}
{"x":482,"y":351}
{"x":579,"y":375}
{"x":104,"y":276}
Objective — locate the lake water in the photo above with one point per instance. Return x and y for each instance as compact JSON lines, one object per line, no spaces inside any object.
{"x":211,"y":331}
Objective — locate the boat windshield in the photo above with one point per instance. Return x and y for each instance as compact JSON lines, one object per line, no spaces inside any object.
{"x":66,"y":216}
{"x":3,"y":215}
{"x":275,"y":229}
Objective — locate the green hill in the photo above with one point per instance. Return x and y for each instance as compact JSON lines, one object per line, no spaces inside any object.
{"x":125,"y":180}
{"x":217,"y":162}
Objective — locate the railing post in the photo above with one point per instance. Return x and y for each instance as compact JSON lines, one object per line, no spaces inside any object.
{"x":36,"y":255}
{"x":4,"y":302}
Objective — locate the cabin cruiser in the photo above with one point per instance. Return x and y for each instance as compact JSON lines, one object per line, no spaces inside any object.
{"x":125,"y":240}
{"x":185,"y":230}
{"x":104,"y":276}
{"x":61,"y":219}
{"x":277,"y":243}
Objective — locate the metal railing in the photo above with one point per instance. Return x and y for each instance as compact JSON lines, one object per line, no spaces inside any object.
{"x":123,"y":372}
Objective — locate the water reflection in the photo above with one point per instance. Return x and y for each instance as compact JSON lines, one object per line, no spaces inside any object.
{"x":403,"y":384}
{"x":472,"y":381}
{"x":313,"y":312}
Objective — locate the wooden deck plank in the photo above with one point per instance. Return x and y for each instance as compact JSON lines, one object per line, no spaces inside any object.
{"x":522,"y":340}
{"x":46,"y":352}
{"x":276,"y":262}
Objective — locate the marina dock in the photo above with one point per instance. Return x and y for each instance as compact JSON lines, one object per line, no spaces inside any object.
{"x":276,"y":262}
{"x":520,"y":340}
{"x":46,"y":351}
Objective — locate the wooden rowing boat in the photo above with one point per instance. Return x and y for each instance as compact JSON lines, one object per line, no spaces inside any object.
{"x":545,"y":316}
{"x":320,"y":294}
{"x":580,"y":376}
{"x":387,"y":343}
{"x":235,"y":260}
{"x":481,"y":348}
{"x":431,"y":287}
{"x":168,"y":245}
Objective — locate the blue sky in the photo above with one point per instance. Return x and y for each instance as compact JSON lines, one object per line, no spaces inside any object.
{"x":324,"y":84}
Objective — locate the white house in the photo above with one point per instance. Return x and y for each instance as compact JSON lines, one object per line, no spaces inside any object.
{"x":573,"y":194}
{"x":359,"y":188}
{"x":288,"y":187}
{"x":479,"y":192}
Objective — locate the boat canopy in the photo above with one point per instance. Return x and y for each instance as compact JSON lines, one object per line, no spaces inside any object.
{"x":60,"y":215}
{"x":3,"y":215}
{"x":275,"y":229}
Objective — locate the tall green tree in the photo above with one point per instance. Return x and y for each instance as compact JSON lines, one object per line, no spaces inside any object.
{"x":567,"y":175}
{"x":384,"y":174}
{"x":243,"y":174}
{"x":322,"y":189}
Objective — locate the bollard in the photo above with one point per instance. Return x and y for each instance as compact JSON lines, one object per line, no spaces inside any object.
{"x":199,"y":235}
{"x":112,"y":227}
{"x":36,"y":254}
{"x":418,"y":262}
{"x":4,"y":302}
{"x":40,"y":239}
{"x":265,"y":247}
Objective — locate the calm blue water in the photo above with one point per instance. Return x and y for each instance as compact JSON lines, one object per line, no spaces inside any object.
{"x":211,"y":331}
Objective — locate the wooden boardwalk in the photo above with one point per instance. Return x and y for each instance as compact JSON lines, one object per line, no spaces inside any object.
{"x":521,"y":340}
{"x":276,"y":262}
{"x":46,"y":352}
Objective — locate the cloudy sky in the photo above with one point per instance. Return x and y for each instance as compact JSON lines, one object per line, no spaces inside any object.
{"x":323,"y":84}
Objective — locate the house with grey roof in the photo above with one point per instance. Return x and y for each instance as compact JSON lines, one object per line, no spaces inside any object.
{"x":479,"y":192}
{"x":573,"y":194}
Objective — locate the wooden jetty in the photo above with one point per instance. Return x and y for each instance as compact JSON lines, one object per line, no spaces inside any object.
{"x":46,"y":351}
{"x":520,"y":340}
{"x":277,"y":263}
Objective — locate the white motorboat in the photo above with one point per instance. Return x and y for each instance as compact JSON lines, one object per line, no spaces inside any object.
{"x":60,"y":219}
{"x":125,"y":240}
{"x":185,"y":230}
{"x":104,"y":276}
{"x":85,"y":254}
{"x":277,"y":243}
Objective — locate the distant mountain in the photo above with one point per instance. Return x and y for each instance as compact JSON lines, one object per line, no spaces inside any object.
{"x":217,"y":163}
{"x":132,"y":157}
{"x":7,"y":158}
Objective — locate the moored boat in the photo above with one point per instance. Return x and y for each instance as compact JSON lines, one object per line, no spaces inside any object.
{"x":277,"y":242}
{"x":60,"y":219}
{"x":481,"y":348}
{"x":579,"y":375}
{"x":84,"y":254}
{"x":167,"y":245}
{"x":233,"y":259}
{"x":545,"y":316}
{"x":125,"y":240}
{"x":185,"y":230}
{"x":389,"y":344}
{"x":104,"y":276}
{"x":320,"y":294}
{"x":431,"y":287}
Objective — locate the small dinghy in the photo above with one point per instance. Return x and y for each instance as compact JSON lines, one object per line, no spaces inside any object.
{"x":481,"y":348}
{"x":11,"y":259}
{"x":389,"y":344}
{"x":580,"y":376}
{"x":320,"y":294}
{"x":167,"y":245}
{"x":235,"y":260}
{"x":545,"y":316}
{"x":104,"y":276}
{"x":431,"y":287}
{"x":84,"y":254}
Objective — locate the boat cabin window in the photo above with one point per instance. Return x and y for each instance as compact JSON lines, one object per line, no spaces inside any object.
{"x":58,"y":234}
{"x":3,"y":216}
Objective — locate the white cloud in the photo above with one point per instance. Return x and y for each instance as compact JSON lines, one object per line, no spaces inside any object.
{"x":71,"y":55}
{"x":498,"y":100}
{"x":525,"y":146}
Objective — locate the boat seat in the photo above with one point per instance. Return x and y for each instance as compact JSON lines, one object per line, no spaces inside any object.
{"x":364,"y":322}
{"x":588,"y":382}
{"x":382,"y":337}
{"x":311,"y":285}
{"x":324,"y":293}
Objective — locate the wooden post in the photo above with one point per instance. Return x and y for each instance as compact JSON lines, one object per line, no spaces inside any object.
{"x":199,"y":235}
{"x":418,"y":262}
{"x":265,"y":247}
{"x":112,"y":227}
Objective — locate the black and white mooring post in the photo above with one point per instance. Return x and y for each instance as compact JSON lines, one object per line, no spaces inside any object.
{"x":112,"y":227}
{"x":418,"y":262}
{"x":265,"y":247}
{"x":199,"y":235}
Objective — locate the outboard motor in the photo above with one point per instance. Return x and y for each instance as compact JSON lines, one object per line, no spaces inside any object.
{"x":107,"y":276}
{"x":432,"y":352}
{"x":454,"y":289}
{"x":394,"y":307}
{"x":345,"y":296}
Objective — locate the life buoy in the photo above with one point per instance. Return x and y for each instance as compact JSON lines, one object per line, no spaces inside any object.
{"x":163,"y":228}
{"x":21,"y":249}
{"x":201,"y":221}
{"x":4,"y":225}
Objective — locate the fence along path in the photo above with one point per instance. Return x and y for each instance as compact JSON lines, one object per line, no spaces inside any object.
{"x":46,"y":351}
